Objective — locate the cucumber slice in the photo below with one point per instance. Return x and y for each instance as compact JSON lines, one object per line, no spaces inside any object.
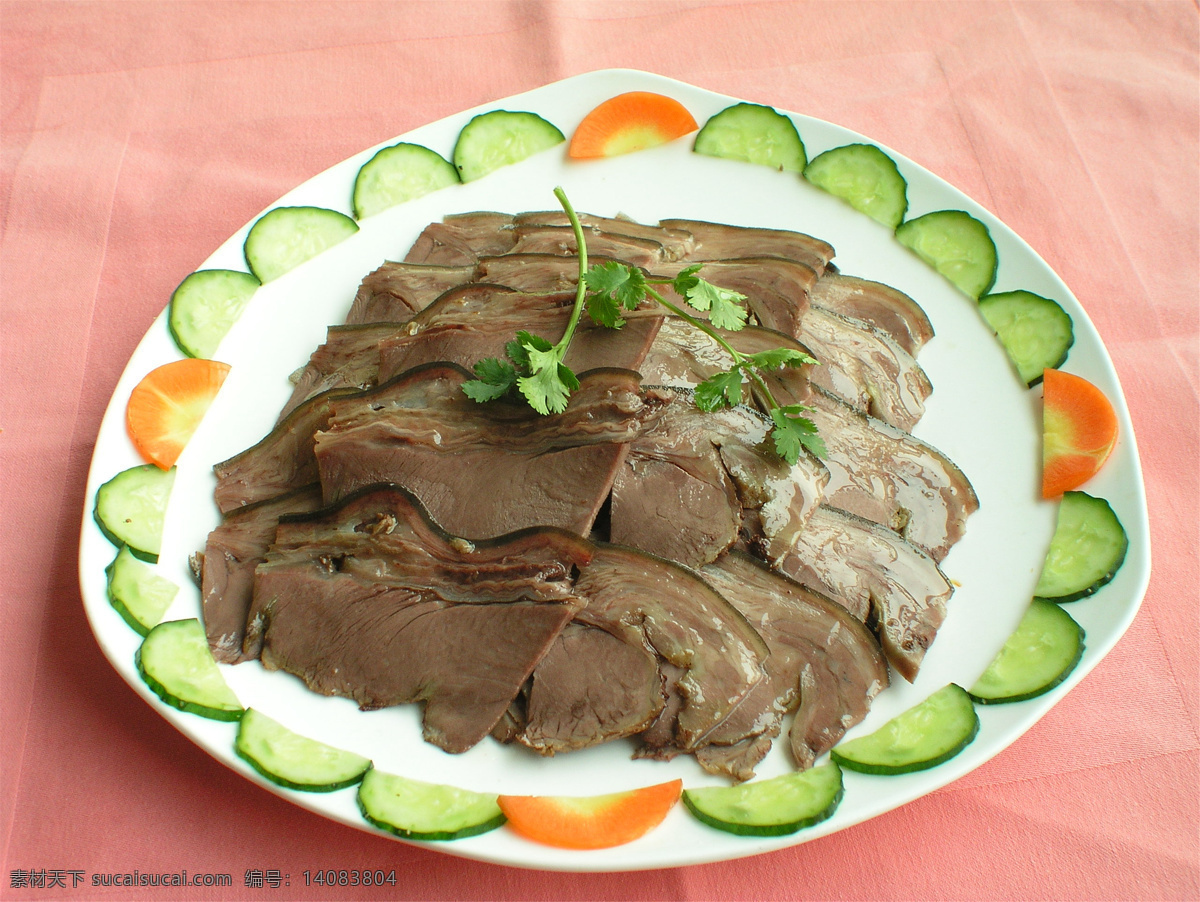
{"x":397,"y":174}
{"x":137,"y":593}
{"x":205,"y":305}
{"x":294,"y":761}
{"x":501,"y":137}
{"x":753,"y":134}
{"x":285,"y":237}
{"x":176,"y":664}
{"x":922,"y":737}
{"x":1035,"y":331}
{"x":773,"y":807}
{"x":415,"y":810}
{"x":1040,"y":654}
{"x":131,"y":506}
{"x":866,"y":178}
{"x":957,"y":245}
{"x":1087,"y":549}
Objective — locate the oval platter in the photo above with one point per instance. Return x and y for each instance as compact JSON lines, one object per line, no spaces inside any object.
{"x":980,"y":415}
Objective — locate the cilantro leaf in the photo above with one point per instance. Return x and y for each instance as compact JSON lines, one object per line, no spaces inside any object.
{"x":618,"y":282}
{"x":534,"y":342}
{"x":778,"y":357}
{"x":720,"y":390}
{"x":724,"y":307}
{"x":604,"y":311}
{"x":794,"y":434}
{"x":686,"y":279}
{"x":549,"y":388}
{"x":495,"y":378}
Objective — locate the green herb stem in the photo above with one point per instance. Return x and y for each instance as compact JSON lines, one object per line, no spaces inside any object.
{"x":738,"y":358}
{"x":581,"y":245}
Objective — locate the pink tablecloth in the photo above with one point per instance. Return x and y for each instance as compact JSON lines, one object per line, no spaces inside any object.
{"x":138,"y":136}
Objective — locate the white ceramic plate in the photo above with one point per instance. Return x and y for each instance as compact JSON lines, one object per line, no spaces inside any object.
{"x":980,"y":415}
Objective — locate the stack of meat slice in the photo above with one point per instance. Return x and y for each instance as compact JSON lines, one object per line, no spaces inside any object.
{"x":631,"y":567}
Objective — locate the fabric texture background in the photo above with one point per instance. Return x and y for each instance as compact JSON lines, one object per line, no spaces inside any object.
{"x":137,"y":136}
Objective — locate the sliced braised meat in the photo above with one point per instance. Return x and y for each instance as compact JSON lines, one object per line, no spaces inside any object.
{"x":717,"y":241}
{"x":677,"y":244}
{"x":475,"y":322}
{"x":865,"y":368}
{"x":888,"y":310}
{"x":879,"y":577}
{"x":547,"y":239}
{"x":776,"y":290}
{"x":461,"y":239}
{"x":232,"y":552}
{"x":682,"y":356}
{"x":396,"y":291}
{"x":486,"y":469}
{"x":884,"y":474}
{"x":682,"y":490}
{"x":822,"y":661}
{"x":591,"y":687}
{"x":372,"y":602}
{"x":348,"y":359}
{"x":281,"y":462}
{"x":663,"y":607}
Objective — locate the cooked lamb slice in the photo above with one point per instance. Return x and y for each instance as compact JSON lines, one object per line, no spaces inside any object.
{"x":394,"y":292}
{"x":281,"y":461}
{"x":885,"y":475}
{"x":682,"y":357}
{"x":371,"y":601}
{"x":677,"y":243}
{"x":718,"y":241}
{"x":865,"y":368}
{"x":486,"y":469}
{"x":668,"y":609}
{"x":475,"y":322}
{"x":231,"y":553}
{"x":776,"y":290}
{"x":888,"y":310}
{"x":348,"y":359}
{"x":545,"y":239}
{"x":683,"y":488}
{"x":590,"y":687}
{"x":462,"y":238}
{"x":822,"y":660}
{"x":877,"y":575}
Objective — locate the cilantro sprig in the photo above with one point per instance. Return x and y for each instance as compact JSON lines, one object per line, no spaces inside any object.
{"x":534,"y":366}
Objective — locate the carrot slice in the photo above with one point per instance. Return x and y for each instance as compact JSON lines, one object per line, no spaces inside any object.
{"x":1079,"y":430}
{"x":591,"y":822}
{"x":165,"y":408}
{"x":629,"y":122}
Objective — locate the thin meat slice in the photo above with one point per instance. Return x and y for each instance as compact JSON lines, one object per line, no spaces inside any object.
{"x":371,"y":601}
{"x":822,"y":661}
{"x":395,"y":292}
{"x":548,"y":239}
{"x":776,"y":290}
{"x":888,"y":310}
{"x":877,"y":576}
{"x":689,"y":478}
{"x":591,"y":687}
{"x":677,"y":244}
{"x":476,"y":322}
{"x":865,"y":368}
{"x":281,"y":462}
{"x":885,"y":475}
{"x":486,"y":469}
{"x":716,"y":656}
{"x":349,"y":358}
{"x":461,"y":239}
{"x":719,"y":241}
{"x":231,"y":553}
